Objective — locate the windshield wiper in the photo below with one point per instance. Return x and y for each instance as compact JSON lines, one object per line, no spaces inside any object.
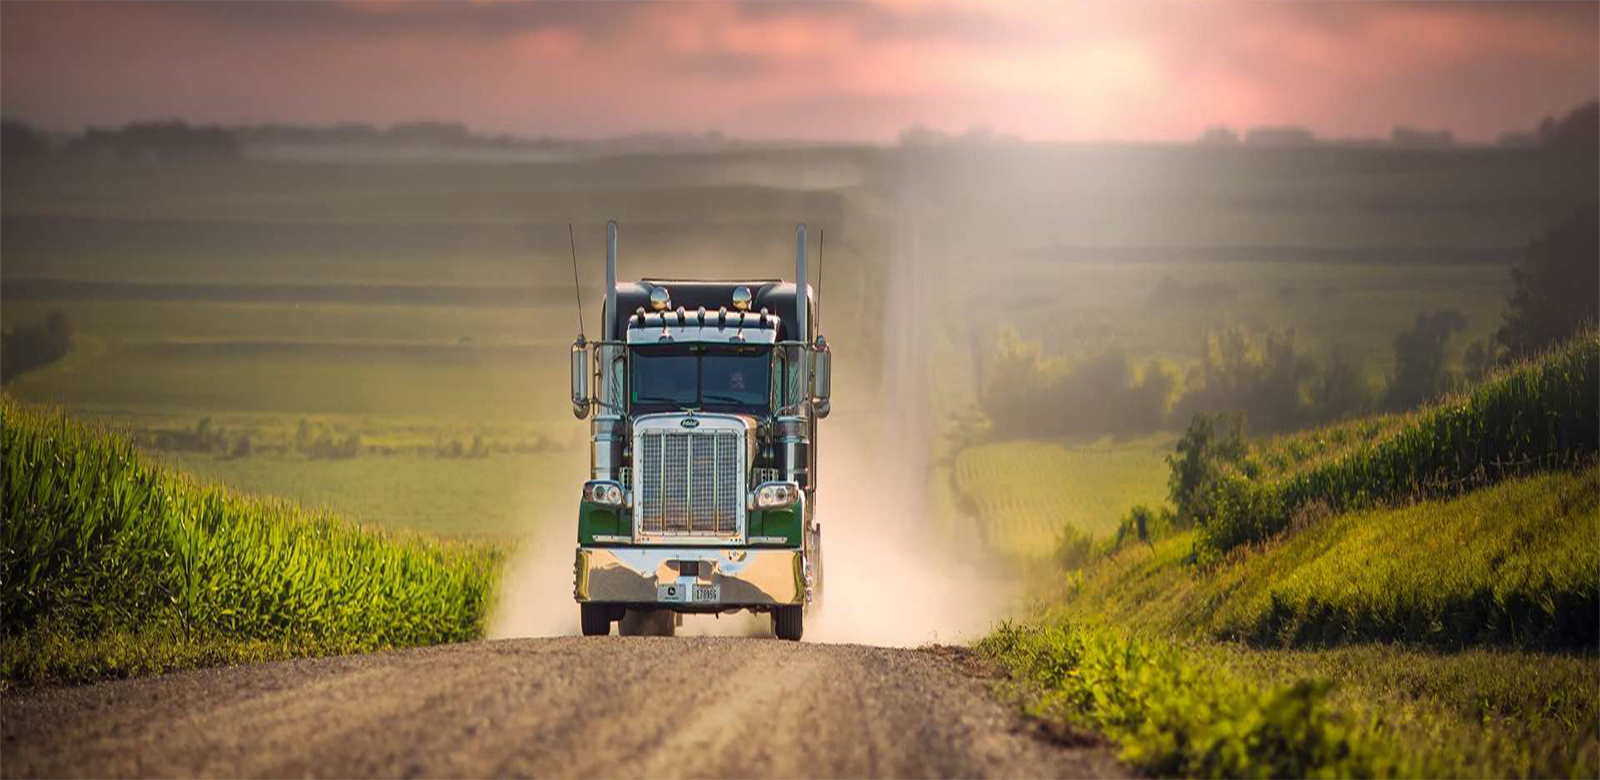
{"x":653,"y":399}
{"x":726,"y":399}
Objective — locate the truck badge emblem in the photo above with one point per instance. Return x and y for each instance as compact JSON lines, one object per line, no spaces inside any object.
{"x":690,"y":422}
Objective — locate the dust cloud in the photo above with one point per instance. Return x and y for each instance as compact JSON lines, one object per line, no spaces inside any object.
{"x":535,"y":596}
{"x":890,"y":578}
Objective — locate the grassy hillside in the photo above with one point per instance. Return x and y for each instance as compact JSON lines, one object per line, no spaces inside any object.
{"x":1417,"y":596}
{"x":113,"y":566}
{"x":1514,"y":565}
{"x":1535,"y":415}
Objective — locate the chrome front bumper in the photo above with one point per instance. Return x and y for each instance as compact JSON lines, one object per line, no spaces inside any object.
{"x":743,"y":576}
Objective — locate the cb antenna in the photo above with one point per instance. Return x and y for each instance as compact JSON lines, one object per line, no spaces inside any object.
{"x":576,"y":289}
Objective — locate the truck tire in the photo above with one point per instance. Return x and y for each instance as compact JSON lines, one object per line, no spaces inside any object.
{"x":654,"y":622}
{"x":789,"y":622}
{"x":596,"y":619}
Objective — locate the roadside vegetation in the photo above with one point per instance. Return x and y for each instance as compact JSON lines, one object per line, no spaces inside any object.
{"x":1412,"y":594}
{"x":113,"y":566}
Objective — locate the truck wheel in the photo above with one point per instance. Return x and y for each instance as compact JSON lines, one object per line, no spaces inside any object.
{"x":596,"y":619}
{"x":655,"y":622}
{"x":789,"y":622}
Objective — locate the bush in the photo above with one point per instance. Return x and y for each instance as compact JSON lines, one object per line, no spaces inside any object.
{"x":1073,"y":547}
{"x":1212,"y":443}
{"x":1145,"y":525}
{"x":1419,"y":360}
{"x":1030,"y":396}
{"x":1342,"y":390}
{"x":1176,"y":718}
{"x":1259,"y":376}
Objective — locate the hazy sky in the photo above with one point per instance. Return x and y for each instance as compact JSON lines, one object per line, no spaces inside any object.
{"x":859,"y":71}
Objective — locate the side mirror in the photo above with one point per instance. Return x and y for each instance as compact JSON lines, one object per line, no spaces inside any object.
{"x":821,"y":377}
{"x":580,"y":379}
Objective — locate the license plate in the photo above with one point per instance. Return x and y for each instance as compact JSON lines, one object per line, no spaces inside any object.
{"x":701,"y":593}
{"x":691,"y":593}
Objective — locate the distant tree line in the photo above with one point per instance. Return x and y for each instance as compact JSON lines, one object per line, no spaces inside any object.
{"x":179,"y":140}
{"x":35,"y":345}
{"x":138,"y":141}
{"x":1271,"y":380}
{"x":1576,"y":131}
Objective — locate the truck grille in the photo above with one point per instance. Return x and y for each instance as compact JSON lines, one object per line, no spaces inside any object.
{"x":689,"y":483}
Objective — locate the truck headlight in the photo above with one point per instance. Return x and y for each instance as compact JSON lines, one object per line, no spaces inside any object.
{"x":608,"y":493}
{"x":770,"y":495}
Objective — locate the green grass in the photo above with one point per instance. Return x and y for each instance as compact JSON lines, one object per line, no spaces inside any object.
{"x":1456,"y":695}
{"x":1174,"y":716}
{"x":1532,"y":416}
{"x":113,"y":566}
{"x":1511,"y":565}
{"x":1373,"y":711}
{"x":1021,"y":493}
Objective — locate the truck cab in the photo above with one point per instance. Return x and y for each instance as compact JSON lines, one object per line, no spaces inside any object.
{"x":704,"y":398}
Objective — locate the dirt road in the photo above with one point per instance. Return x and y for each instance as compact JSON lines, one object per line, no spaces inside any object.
{"x":569,"y":707}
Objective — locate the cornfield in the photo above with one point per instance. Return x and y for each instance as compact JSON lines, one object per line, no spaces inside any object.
{"x":1538,"y":415}
{"x":97,"y":541}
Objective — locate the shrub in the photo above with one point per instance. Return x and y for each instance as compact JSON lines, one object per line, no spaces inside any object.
{"x":1073,"y":547}
{"x":1174,"y":717}
{"x":1028,"y":395}
{"x":1419,"y":359}
{"x":1241,"y":372}
{"x":1145,"y":525}
{"x":1212,"y":443}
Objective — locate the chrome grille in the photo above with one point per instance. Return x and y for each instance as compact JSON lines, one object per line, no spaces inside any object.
{"x":689,"y":482}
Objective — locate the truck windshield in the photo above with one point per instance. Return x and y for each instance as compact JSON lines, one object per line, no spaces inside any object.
{"x":674,"y":377}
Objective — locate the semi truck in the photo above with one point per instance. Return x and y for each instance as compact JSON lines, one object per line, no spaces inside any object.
{"x":703,"y":398}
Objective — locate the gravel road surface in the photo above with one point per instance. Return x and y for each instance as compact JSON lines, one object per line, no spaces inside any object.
{"x":568,"y":707}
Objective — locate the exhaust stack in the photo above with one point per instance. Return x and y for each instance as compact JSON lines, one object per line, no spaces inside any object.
{"x":609,"y":332}
{"x":802,"y":299}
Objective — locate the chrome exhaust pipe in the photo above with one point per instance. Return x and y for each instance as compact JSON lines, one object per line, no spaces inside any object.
{"x":609,"y":332}
{"x":801,"y":298}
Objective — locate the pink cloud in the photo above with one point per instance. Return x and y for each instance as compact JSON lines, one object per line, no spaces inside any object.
{"x":1061,"y":71}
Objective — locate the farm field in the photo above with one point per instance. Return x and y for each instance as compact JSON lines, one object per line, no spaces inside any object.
{"x":116,"y":566}
{"x":1022,"y":493}
{"x":420,"y":303}
{"x":1349,"y":308}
